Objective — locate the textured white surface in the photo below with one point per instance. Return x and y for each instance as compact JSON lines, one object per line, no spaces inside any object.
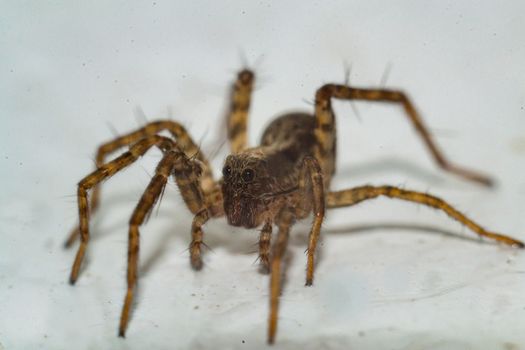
{"x":391,"y":275}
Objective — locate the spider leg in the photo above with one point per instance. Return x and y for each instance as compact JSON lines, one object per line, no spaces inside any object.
{"x":196,"y":238}
{"x":143,"y":209}
{"x":358,"y":194}
{"x":325,"y":129}
{"x":180,"y":134}
{"x":311,"y":185}
{"x":264,"y":247}
{"x":279,"y":249}
{"x":238,"y":114}
{"x":103,"y":172}
{"x":210,"y":206}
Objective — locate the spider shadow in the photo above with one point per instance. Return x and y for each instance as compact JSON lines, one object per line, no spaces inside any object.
{"x":404,"y":227}
{"x":388,"y":165}
{"x":300,"y":239}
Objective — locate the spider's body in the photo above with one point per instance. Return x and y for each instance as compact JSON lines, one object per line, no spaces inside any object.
{"x":285,"y":179}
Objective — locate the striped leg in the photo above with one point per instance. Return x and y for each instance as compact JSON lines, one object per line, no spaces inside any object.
{"x":184,"y":141}
{"x":279,"y":249}
{"x":264,"y":247}
{"x":104,"y":172}
{"x":238,"y":114}
{"x":325,"y":130}
{"x":358,"y":194}
{"x":311,"y":184}
{"x":142,"y":211}
{"x":197,"y":238}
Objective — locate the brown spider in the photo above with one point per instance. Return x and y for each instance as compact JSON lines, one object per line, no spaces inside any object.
{"x":284,"y":179}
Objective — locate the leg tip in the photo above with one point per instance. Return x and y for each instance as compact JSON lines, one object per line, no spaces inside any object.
{"x":121,"y":334}
{"x":72,"y":280}
{"x":488,"y":182}
{"x":309,"y":283}
{"x":271,"y":337}
{"x":196,"y":264}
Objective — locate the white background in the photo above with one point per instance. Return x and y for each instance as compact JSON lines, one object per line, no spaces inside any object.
{"x":391,"y":275}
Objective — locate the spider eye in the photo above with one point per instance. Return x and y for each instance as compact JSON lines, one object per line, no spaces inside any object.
{"x":226,"y":171}
{"x":248,"y":175}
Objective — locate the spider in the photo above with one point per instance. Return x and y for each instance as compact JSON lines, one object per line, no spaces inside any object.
{"x":285,"y":179}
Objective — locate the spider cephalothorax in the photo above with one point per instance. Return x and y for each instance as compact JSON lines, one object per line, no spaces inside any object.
{"x":285,"y":179}
{"x":245,"y":189}
{"x":255,"y":186}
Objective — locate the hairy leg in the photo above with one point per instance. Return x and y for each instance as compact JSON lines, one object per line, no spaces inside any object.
{"x":180,"y":134}
{"x":238,"y":114}
{"x":358,"y":194}
{"x":312,"y":193}
{"x":264,"y":247}
{"x":279,"y":249}
{"x":142,"y":211}
{"x":325,"y":129}
{"x":211,"y":207}
{"x":197,"y":238}
{"x":104,"y":172}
